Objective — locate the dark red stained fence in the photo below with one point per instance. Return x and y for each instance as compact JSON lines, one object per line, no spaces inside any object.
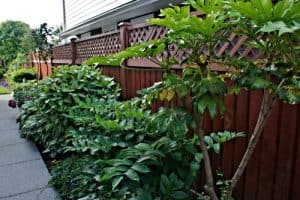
{"x":274,"y":171}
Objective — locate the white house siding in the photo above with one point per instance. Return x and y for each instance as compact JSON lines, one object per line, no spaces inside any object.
{"x":78,"y":11}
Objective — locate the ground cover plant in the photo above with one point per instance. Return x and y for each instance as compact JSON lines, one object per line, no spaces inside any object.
{"x":273,"y":30}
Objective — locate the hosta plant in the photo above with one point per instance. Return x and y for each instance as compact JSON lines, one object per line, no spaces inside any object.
{"x":125,"y":152}
{"x":43,"y":118}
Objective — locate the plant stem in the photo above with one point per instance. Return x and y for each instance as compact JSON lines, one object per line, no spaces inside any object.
{"x":209,"y":187}
{"x":265,"y":111}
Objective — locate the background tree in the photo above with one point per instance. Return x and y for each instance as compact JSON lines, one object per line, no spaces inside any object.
{"x":42,"y":38}
{"x":15,"y":38}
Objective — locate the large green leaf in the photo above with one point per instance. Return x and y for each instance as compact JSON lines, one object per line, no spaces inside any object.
{"x":116,"y":181}
{"x":131,"y":174}
{"x":141,"y":168}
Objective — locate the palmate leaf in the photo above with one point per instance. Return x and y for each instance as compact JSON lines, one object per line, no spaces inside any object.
{"x":290,"y":92}
{"x":146,"y":49}
{"x":247,"y":10}
{"x":263,"y":11}
{"x":208,"y":26}
{"x":206,"y":6}
{"x":175,"y":19}
{"x":214,"y":140}
{"x":282,"y":8}
{"x":281,"y":27}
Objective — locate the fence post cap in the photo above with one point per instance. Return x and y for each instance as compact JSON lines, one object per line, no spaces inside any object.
{"x":73,"y":39}
{"x":124,"y":24}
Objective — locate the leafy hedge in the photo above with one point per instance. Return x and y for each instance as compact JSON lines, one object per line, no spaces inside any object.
{"x":43,"y":118}
{"x":20,"y":76}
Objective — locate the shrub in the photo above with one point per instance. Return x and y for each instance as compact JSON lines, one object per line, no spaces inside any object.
{"x":43,"y":118}
{"x":24,"y":92}
{"x":20,"y":76}
{"x":129,"y":153}
{"x":24,"y":76}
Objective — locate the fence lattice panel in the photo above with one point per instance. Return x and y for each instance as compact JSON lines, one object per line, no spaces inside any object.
{"x":145,"y":33}
{"x":62,"y":52}
{"x":98,"y":46}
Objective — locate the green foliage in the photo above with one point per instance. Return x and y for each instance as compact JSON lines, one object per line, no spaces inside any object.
{"x":267,"y":14}
{"x":72,"y":178}
{"x":135,"y":154}
{"x":18,"y":61}
{"x":140,"y":50}
{"x":15,"y":38}
{"x":278,"y":71}
{"x":24,"y":75}
{"x":142,"y":155}
{"x":41,"y":37}
{"x":24,"y":92}
{"x":105,"y":126}
{"x":21,"y":75}
{"x":4,"y":90}
{"x":214,"y":140}
{"x":196,"y":38}
{"x":43,"y":118}
{"x":132,"y":152}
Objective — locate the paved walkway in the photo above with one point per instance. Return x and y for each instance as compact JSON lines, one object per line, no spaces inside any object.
{"x":23,"y":174}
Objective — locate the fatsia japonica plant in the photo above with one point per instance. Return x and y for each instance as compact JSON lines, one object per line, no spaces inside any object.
{"x":274,"y":31}
{"x":190,"y":42}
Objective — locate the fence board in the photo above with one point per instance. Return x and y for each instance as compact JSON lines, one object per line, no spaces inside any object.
{"x":294,"y":190}
{"x":251,"y":175}
{"x":242,"y":102}
{"x":285,"y":152}
{"x":268,"y":155}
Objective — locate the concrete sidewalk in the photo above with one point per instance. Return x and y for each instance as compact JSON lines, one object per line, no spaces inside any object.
{"x":23,"y":174}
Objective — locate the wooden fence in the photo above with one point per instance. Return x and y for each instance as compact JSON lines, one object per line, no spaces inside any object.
{"x":274,"y":170}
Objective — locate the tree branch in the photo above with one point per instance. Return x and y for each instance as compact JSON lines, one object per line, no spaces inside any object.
{"x":265,"y":111}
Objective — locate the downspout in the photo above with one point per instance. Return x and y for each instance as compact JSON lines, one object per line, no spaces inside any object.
{"x":64,"y":14}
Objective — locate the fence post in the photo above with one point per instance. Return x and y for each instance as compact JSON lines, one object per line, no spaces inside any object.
{"x":124,"y":38}
{"x":73,"y":51}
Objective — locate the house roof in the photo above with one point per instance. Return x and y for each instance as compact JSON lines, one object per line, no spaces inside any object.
{"x":122,"y":13}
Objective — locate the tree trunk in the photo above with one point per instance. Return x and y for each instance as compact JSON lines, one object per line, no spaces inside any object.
{"x":209,"y":187}
{"x":265,"y":111}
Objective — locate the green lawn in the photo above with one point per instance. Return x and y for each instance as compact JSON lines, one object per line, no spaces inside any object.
{"x":4,"y":90}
